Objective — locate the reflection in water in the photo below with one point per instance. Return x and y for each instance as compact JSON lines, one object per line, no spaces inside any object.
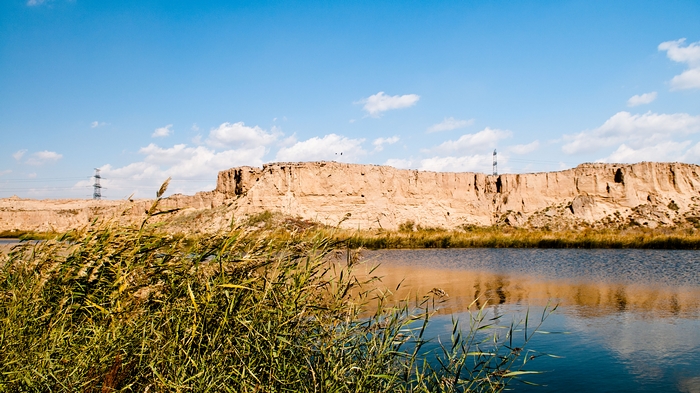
{"x":633,"y":315}
{"x":591,"y":298}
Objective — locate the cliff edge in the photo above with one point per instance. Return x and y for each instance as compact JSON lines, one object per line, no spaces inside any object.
{"x":372,"y":196}
{"x":645,"y":193}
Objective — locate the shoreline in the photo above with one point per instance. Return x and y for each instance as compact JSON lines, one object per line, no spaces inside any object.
{"x":488,"y":237}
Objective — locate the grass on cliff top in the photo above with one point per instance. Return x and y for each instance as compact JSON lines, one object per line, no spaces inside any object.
{"x":135,"y":309}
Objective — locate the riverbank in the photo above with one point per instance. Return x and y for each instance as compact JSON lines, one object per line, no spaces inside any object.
{"x":498,"y":237}
{"x":280,"y":227}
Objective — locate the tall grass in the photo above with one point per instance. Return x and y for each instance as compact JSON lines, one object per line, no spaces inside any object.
{"x":498,"y":237}
{"x":112,"y":308}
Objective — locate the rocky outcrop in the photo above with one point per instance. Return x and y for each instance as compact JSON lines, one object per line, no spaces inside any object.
{"x":384,"y":197}
{"x":373,"y":196}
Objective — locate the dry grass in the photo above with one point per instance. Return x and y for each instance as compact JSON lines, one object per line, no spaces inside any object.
{"x":499,"y":237}
{"x":113,"y":308}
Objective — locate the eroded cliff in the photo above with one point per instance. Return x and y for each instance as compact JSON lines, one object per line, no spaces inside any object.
{"x":385,"y":197}
{"x":372,"y":196}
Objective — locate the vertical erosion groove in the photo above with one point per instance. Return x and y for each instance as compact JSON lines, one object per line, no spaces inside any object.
{"x":238,"y":179}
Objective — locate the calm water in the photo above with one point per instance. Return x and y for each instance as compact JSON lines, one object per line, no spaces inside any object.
{"x":632,"y":316}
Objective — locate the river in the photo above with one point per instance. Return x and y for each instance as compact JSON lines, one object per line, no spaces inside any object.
{"x":631,"y":318}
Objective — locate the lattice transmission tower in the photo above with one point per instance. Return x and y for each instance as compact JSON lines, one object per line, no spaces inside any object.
{"x":495,"y":163}
{"x":97,"y":188}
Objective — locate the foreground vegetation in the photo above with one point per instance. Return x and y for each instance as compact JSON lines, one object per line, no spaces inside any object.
{"x":112,"y":308}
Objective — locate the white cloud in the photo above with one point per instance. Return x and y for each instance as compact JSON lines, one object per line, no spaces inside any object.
{"x":399,"y":163}
{"x":688,"y":54}
{"x":43,"y":157}
{"x":682,"y":54}
{"x":524,"y":149}
{"x":450,"y":123}
{"x":96,"y":124}
{"x":191,"y":168}
{"x":288,"y":141}
{"x":692,"y":154}
{"x":330,"y":147}
{"x":187,"y":162}
{"x":664,"y":151}
{"x":163,"y":131}
{"x":195,"y":127}
{"x":19,"y":154}
{"x":688,"y":79}
{"x":5,"y":172}
{"x":380,"y":102}
{"x":468,"y":143}
{"x":380,"y":142}
{"x":238,"y":134}
{"x":642,"y":99}
{"x":636,"y":131}
{"x":469,"y":163}
{"x":32,"y":3}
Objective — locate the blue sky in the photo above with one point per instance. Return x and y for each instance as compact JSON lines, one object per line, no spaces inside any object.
{"x":150,"y":89}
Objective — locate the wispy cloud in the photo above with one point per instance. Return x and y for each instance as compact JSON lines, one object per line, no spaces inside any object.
{"x":96,"y":124}
{"x":469,"y":153}
{"x":400,"y":163}
{"x":450,"y":123}
{"x":472,"y":143}
{"x":329,"y":147}
{"x":380,"y":142}
{"x":641,"y":99}
{"x":662,"y":151}
{"x":635,"y":131}
{"x":524,"y":149}
{"x":43,"y":157}
{"x":238,"y":134}
{"x":378,"y":103}
{"x":163,"y":131}
{"x":192,"y":167}
{"x":19,"y":154}
{"x":33,"y":3}
{"x":688,"y":54}
{"x":465,"y":163}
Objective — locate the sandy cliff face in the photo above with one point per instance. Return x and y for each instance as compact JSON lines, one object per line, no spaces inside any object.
{"x":645,"y":194}
{"x":385,"y":197}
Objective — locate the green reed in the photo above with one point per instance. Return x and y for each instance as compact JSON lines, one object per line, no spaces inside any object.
{"x":114,"y":308}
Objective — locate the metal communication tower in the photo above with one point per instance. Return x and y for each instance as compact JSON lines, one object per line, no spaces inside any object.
{"x":97,"y":188}
{"x":495,"y":163}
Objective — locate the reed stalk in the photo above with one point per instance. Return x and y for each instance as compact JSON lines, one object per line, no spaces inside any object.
{"x":111,"y":308}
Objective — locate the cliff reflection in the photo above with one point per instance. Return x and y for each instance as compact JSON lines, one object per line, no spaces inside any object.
{"x":592,"y":299}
